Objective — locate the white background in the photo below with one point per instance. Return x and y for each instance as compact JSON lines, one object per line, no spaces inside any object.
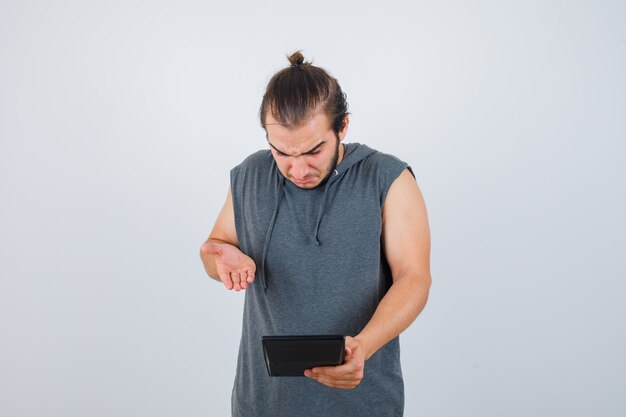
{"x":119,"y":122}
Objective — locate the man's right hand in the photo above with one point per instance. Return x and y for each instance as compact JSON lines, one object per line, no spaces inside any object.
{"x":235,"y":269}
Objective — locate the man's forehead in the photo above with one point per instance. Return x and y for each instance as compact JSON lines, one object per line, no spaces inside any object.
{"x":299,"y":139}
{"x":296,"y":150}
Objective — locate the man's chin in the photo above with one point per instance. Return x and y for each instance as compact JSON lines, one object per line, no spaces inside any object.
{"x":307,"y":185}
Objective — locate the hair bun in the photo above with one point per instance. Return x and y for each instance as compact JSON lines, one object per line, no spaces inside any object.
{"x":296,"y":59}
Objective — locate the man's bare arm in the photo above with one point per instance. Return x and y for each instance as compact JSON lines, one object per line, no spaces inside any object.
{"x":220,"y":254}
{"x":406,"y":242}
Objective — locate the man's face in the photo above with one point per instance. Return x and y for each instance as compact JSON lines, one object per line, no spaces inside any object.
{"x":308,"y":154}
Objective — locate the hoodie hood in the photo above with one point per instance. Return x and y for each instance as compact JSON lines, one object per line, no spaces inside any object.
{"x":354,"y":152}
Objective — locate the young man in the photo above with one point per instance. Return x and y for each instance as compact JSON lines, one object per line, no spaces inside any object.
{"x":326,"y":238}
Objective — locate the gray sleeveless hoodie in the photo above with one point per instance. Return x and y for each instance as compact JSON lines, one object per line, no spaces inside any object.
{"x":320,"y":270}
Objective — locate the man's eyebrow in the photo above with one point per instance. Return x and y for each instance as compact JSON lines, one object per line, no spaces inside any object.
{"x":303,"y":153}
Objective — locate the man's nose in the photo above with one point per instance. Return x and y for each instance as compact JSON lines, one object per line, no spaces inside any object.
{"x":300,"y":168}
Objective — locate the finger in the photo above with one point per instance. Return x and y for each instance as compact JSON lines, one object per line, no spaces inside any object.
{"x":348,"y":384}
{"x":347,"y":371}
{"x":250,"y":274}
{"x":347,"y":378}
{"x":244,"y":282}
{"x":334,"y":383}
{"x":326,"y":377}
{"x":236,"y":278}
{"x":228,"y":283}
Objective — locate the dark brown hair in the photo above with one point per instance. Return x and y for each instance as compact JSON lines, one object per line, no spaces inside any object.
{"x":296,"y":92}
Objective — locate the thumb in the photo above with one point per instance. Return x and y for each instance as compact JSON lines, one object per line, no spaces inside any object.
{"x":348,"y":352}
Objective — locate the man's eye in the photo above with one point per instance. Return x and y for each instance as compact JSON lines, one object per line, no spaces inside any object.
{"x":314,"y":153}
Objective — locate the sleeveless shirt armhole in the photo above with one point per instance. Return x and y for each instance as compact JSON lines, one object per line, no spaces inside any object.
{"x":391,"y":169}
{"x":235,"y":193}
{"x":246,"y":172}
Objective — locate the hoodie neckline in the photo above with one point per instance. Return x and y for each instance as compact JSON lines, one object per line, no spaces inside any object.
{"x":353,"y":153}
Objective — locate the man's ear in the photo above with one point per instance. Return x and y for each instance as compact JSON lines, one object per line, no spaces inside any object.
{"x":344,"y":128}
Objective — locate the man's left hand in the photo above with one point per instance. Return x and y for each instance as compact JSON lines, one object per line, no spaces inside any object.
{"x":346,"y":376}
